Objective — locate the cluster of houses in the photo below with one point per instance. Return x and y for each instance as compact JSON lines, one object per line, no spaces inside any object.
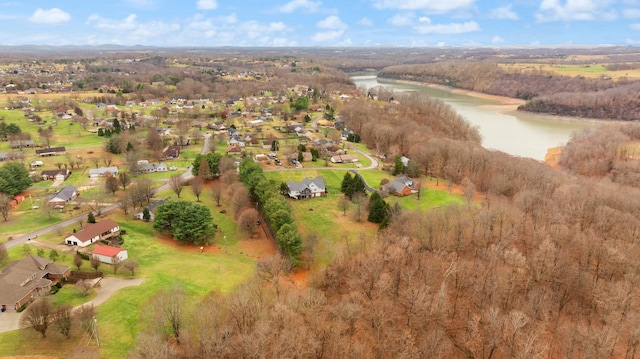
{"x":32,"y":277}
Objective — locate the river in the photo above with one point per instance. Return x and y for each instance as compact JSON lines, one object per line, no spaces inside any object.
{"x":516,"y":133}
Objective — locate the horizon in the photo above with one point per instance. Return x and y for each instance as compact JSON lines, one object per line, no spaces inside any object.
{"x":329,"y":23}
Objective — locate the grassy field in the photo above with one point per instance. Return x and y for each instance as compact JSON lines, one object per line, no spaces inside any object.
{"x":595,"y":70}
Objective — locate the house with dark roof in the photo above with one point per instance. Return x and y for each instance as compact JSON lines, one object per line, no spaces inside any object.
{"x":109,"y":254}
{"x":51,"y":151}
{"x":308,"y":188}
{"x":171,"y":152}
{"x":56,"y":175}
{"x":93,"y":232}
{"x":29,"y":278}
{"x":63,"y":196}
{"x":400,"y":186}
{"x":152,"y":208}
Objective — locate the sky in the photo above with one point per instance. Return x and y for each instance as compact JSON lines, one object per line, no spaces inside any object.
{"x":328,"y":23}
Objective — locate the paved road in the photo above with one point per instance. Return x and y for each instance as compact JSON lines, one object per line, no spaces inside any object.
{"x":22,"y":239}
{"x":10,"y":320}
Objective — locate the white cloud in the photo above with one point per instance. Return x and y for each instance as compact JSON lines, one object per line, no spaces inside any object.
{"x":452,"y":28}
{"x":405,"y":19}
{"x":126,"y":24}
{"x":635,"y":27}
{"x":424,"y":5}
{"x":306,"y":5}
{"x":327,"y":36}
{"x":424,"y":19}
{"x":497,"y":40}
{"x":575,"y":10}
{"x":207,"y":4}
{"x":504,"y":12}
{"x":52,"y":16}
{"x":332,"y":22}
{"x":631,"y":13}
{"x":365,"y":21}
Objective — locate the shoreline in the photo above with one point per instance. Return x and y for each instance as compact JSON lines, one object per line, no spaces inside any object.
{"x":506,"y":105}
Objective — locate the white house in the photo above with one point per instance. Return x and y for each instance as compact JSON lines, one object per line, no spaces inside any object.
{"x":93,"y":232}
{"x":108,"y":254}
{"x":152,"y":167}
{"x":103,"y":171}
{"x":308,"y":188}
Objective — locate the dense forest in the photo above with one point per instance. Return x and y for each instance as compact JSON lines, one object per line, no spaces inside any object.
{"x":543,"y":267}
{"x":546,"y":92}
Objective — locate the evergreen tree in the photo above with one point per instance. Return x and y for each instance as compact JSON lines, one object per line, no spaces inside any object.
{"x":100,"y":132}
{"x":91,"y":218}
{"x":346,"y":181}
{"x":146,"y":215}
{"x":377,"y":208}
{"x":398,"y":167}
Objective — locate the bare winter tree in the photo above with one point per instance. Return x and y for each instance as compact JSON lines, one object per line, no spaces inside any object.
{"x":216,"y":192}
{"x":169,"y":306}
{"x":38,"y":316}
{"x":5,"y":205}
{"x":247,"y":220}
{"x":197,"y":185}
{"x":62,"y":319}
{"x":176,"y":184}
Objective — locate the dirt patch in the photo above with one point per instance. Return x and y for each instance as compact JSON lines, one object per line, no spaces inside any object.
{"x":187,"y":247}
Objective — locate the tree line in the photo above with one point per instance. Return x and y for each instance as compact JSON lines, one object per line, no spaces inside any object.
{"x":545,"y":92}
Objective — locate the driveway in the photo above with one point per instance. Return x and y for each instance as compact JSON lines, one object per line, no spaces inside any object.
{"x":10,"y":320}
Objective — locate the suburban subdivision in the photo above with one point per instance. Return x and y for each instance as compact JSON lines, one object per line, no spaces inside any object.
{"x":254,"y":203}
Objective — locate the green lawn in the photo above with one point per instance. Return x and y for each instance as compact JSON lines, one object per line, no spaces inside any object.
{"x":123,"y":316}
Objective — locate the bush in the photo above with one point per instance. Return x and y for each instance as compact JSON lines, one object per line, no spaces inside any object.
{"x":83,"y":255}
{"x":54,"y":290}
{"x":22,"y":308}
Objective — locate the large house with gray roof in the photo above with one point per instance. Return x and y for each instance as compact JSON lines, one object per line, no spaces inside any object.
{"x":308,"y":188}
{"x":63,"y":196}
{"x":400,"y":186}
{"x":27,"y":279}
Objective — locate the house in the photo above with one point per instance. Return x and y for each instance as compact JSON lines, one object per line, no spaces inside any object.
{"x":152,"y":208}
{"x":306,"y":156}
{"x":55,"y":175}
{"x":152,"y":167}
{"x":109,"y":254}
{"x":344,"y":159}
{"x":52,"y":151}
{"x":234,"y":149}
{"x":21,"y":144}
{"x":28,"y":278}
{"x":37,"y":164}
{"x":93,"y":232}
{"x":308,"y":188}
{"x":171,"y":152}
{"x":400,"y":186}
{"x":8,"y":156}
{"x":63,"y":196}
{"x":103,"y":172}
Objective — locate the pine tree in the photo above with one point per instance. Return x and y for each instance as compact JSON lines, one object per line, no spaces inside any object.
{"x":377,"y":208}
{"x":91,"y":218}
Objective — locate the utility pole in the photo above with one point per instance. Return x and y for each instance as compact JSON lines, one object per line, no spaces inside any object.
{"x":95,"y":329}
